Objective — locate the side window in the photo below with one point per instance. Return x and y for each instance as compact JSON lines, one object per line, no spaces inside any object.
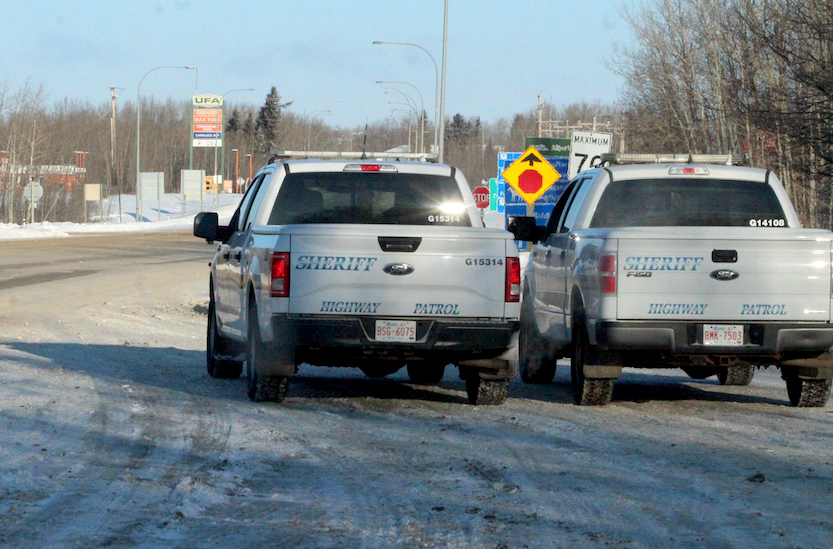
{"x":558,"y":209}
{"x":258,"y":197}
{"x":575,"y":203}
{"x":239,"y":214}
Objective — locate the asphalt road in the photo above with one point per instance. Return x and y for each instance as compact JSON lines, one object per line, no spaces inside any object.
{"x":113,"y":435}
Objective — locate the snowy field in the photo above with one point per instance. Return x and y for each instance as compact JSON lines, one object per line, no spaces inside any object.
{"x":171,"y":215}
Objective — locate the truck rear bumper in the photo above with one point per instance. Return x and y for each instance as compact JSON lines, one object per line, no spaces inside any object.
{"x":345,"y":341}
{"x":762,"y":339}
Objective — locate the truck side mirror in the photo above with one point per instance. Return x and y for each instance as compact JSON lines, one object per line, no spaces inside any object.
{"x":206,"y":225}
{"x":525,"y":228}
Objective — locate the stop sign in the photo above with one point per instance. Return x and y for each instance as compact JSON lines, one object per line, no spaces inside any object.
{"x":481,"y":197}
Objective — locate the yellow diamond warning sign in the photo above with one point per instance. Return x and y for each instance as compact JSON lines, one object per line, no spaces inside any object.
{"x":531,"y":175}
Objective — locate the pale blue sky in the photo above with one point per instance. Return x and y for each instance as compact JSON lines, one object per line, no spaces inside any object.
{"x":318,"y":53}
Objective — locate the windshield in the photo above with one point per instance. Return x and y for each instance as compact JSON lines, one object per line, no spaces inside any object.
{"x":688,"y":203}
{"x":390,"y":198}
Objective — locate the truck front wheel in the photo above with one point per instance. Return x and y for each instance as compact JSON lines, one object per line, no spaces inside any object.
{"x":217,"y":348}
{"x":736,"y":375}
{"x":586,"y":392}
{"x":260,"y":388}
{"x":535,"y":364}
{"x":486,"y":392}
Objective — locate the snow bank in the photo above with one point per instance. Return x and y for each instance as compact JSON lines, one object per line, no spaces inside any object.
{"x":171,"y":215}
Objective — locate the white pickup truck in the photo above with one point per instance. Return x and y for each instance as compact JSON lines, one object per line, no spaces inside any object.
{"x":671,"y":263}
{"x":376,"y":264}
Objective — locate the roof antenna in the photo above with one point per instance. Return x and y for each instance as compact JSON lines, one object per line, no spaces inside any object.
{"x":364,"y":145}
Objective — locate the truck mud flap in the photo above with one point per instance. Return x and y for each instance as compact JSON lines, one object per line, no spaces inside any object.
{"x":492,"y":368}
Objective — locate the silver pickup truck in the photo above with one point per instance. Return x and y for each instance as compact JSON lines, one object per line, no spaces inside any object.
{"x":699,"y":266}
{"x":375,"y":264}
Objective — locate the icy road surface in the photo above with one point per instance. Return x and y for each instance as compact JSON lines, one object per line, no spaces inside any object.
{"x":113,"y":435}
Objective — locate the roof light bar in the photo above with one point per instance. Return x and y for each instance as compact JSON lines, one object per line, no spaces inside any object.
{"x":355,"y":155}
{"x":651,"y":158}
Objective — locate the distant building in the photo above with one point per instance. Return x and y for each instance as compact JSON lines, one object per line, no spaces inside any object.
{"x":54,"y":174}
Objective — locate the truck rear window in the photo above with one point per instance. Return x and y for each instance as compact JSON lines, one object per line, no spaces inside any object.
{"x":376,"y":198}
{"x":688,"y":203}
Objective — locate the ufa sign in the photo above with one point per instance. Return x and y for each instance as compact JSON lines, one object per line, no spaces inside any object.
{"x":481,"y":197}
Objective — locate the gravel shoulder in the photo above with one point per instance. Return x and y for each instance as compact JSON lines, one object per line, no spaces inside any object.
{"x":112,"y":434}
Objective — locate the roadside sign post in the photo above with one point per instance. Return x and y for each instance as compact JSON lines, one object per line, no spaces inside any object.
{"x":481,"y":197}
{"x":586,"y":149}
{"x":193,"y":184}
{"x":32,"y":192}
{"x":92,"y":193}
{"x":531,"y":175}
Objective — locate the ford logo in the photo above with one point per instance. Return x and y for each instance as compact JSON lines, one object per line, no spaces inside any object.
{"x":398,"y":269}
{"x":724,"y":274}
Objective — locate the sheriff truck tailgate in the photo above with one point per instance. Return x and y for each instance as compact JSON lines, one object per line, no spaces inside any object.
{"x":369,"y":270}
{"x":738,"y":280}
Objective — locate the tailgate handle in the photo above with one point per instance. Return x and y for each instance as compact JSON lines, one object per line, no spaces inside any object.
{"x":724,"y":256}
{"x":399,"y":243}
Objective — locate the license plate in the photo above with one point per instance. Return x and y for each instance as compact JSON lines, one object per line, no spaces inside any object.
{"x":722,"y":334}
{"x":395,"y":330}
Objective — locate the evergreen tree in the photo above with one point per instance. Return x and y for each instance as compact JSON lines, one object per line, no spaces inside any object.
{"x":267,"y":127}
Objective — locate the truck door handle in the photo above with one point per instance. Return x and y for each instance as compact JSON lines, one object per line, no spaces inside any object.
{"x":563,"y":254}
{"x":226,"y":256}
{"x":238,"y":255}
{"x":549,"y":254}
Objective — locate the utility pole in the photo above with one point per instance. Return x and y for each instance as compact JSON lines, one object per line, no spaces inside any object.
{"x":113,"y":180}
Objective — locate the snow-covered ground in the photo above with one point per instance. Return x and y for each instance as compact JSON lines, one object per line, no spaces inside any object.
{"x":171,"y":215}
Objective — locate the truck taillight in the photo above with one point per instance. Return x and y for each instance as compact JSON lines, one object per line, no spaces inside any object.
{"x":607,"y":273}
{"x":513,"y":279}
{"x":279,"y":286}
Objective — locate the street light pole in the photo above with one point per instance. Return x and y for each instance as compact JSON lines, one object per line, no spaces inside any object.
{"x":442,"y":91}
{"x":236,"y":169}
{"x":421,"y":114}
{"x":308,"y":118}
{"x":139,"y":136}
{"x":436,"y":86}
{"x":223,"y":146}
{"x":250,"y":170}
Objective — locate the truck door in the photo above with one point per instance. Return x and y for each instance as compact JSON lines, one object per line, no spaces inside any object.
{"x":542,"y":255}
{"x":232,"y":281}
{"x":562,"y":254}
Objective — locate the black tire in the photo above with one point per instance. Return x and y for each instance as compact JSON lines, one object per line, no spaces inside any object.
{"x":378,"y":370}
{"x":700,"y":372}
{"x":807,"y":393}
{"x":426,"y":372}
{"x":534,"y":363}
{"x":260,"y":388}
{"x":486,"y":392}
{"x":217,"y":348}
{"x":586,"y":392}
{"x":736,"y":375}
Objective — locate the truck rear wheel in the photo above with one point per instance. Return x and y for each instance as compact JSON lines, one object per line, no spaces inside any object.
{"x":586,"y":392}
{"x":533,"y":362}
{"x":486,"y":392}
{"x":217,"y":348}
{"x":736,"y":375}
{"x":426,"y":372}
{"x":260,"y":388}
{"x":807,"y":393}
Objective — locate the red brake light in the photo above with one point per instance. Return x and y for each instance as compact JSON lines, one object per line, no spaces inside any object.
{"x":607,"y":273}
{"x":279,"y":286}
{"x":513,"y":280}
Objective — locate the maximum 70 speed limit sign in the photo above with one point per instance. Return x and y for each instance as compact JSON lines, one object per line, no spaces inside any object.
{"x":586,"y":150}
